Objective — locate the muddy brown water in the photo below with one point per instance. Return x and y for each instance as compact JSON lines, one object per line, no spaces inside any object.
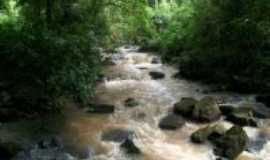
{"x":129,"y":78}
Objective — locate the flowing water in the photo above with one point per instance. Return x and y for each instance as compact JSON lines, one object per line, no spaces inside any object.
{"x":129,"y":78}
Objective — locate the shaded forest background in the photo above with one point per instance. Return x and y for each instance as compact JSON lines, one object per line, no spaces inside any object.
{"x":51,"y":49}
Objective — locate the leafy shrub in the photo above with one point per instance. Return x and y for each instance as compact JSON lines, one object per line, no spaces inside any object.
{"x":40,"y":63}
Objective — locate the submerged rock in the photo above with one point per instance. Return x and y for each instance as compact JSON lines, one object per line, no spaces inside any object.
{"x":265,"y":99}
{"x":210,"y":133}
{"x":131,"y":102}
{"x":156,"y":60}
{"x":117,"y":135}
{"x":101,"y":108}
{"x":259,"y":110}
{"x":232,"y":143}
{"x":46,"y":149}
{"x":242,"y":116}
{"x":129,"y":147}
{"x":185,"y":106}
{"x":257,"y":144}
{"x":157,"y":75}
{"x":206,"y":110}
{"x":245,"y":114}
{"x":171,"y":122}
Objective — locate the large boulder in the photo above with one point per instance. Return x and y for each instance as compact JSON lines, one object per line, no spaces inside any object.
{"x":129,"y":146}
{"x":206,"y":110}
{"x":232,"y":143}
{"x":242,"y":116}
{"x":131,"y":102}
{"x":157,"y":75}
{"x":117,"y":135}
{"x":171,"y":122}
{"x":101,"y":108}
{"x":185,"y":106}
{"x":208,"y":133}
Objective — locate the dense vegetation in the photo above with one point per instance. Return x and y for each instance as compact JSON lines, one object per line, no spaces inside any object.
{"x":225,"y":42}
{"x":51,"y":48}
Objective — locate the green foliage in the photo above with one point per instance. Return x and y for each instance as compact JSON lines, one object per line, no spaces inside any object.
{"x":229,"y":44}
{"x":129,"y":22}
{"x":43,"y":60}
{"x":214,"y":40}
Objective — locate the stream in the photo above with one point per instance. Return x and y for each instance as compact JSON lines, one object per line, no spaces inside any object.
{"x":128,"y":77}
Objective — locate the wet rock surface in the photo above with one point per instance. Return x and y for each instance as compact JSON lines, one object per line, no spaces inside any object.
{"x":206,"y":110}
{"x":156,"y":60}
{"x":209,"y":133}
{"x":47,"y":149}
{"x":117,"y":135}
{"x":185,"y":106}
{"x":101,"y":108}
{"x":156,"y":75}
{"x":110,"y":134}
{"x":129,"y":147}
{"x":171,"y":122}
{"x":228,"y":144}
{"x":242,"y":116}
{"x":259,"y":110}
{"x":232,"y":143}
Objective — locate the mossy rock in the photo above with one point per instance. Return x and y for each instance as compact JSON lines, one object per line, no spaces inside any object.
{"x":208,"y":133}
{"x":185,"y":106}
{"x":206,"y":110}
{"x":171,"y":122}
{"x":232,"y":143}
{"x":242,"y":116}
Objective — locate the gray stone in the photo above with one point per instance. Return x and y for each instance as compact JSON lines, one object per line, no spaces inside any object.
{"x":117,"y":135}
{"x":129,"y":147}
{"x":101,"y":108}
{"x":171,"y":122}
{"x":157,"y":75}
{"x":206,"y":110}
